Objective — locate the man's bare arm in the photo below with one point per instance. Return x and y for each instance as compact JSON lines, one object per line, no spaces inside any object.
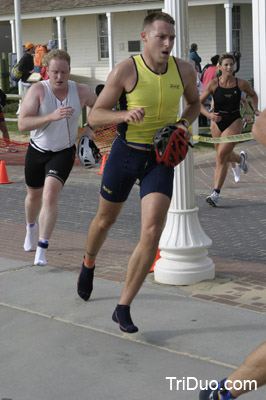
{"x":258,"y":128}
{"x":102,"y":113}
{"x":86,"y":95}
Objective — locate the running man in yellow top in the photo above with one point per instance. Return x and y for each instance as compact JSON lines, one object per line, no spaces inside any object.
{"x":149,"y":87}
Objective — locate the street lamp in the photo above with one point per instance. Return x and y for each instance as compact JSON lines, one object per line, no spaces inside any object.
{"x":184,"y":257}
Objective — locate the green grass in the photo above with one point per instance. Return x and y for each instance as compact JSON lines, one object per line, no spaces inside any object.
{"x":12,"y":128}
{"x":11,"y":108}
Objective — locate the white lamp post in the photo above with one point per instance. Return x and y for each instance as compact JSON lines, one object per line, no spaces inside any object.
{"x":259,"y":50}
{"x":183,"y":244}
{"x":18,"y":38}
{"x":59,"y":21}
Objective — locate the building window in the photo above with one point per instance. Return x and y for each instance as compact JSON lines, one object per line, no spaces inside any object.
{"x":55,"y":31}
{"x":133,"y":45}
{"x":103,"y":36}
{"x":236,"y":26}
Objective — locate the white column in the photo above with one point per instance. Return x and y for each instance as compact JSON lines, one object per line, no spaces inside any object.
{"x":18,"y":29}
{"x":183,"y":244}
{"x":18,"y":35}
{"x":259,"y":50}
{"x":228,"y":26}
{"x":60,"y":32}
{"x":110,"y":40}
{"x":13,"y":36}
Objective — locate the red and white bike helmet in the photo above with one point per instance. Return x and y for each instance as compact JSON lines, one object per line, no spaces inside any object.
{"x":170,"y":145}
{"x":88,"y":153}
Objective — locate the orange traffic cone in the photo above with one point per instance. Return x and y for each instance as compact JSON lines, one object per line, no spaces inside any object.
{"x":156,"y":258}
{"x":102,"y":164}
{"x":3,"y":173}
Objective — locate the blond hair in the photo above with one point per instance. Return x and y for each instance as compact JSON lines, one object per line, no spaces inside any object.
{"x":61,"y":54}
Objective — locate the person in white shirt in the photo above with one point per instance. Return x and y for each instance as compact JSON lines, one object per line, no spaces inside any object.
{"x":51,"y":111}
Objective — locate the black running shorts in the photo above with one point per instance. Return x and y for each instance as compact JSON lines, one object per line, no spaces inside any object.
{"x":38,"y":165}
{"x":125,"y":165}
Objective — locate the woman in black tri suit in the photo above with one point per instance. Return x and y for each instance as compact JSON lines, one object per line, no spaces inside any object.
{"x":226,"y":119}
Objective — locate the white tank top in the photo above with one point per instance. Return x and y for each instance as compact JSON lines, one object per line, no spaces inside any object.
{"x":62,"y":134}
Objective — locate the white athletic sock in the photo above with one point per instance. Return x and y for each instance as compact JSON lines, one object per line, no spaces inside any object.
{"x":40,"y":252}
{"x":40,"y":256}
{"x":30,"y":237}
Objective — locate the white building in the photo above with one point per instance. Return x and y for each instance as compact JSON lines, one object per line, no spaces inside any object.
{"x":99,"y":34}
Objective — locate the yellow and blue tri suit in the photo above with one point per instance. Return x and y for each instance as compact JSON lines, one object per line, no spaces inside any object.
{"x":159,"y":95}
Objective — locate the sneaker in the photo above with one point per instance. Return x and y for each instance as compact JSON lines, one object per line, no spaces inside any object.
{"x":213,"y":199}
{"x":243,"y":162}
{"x":208,"y":394}
{"x":236,"y":173}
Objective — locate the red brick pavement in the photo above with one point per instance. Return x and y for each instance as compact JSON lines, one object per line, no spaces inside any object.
{"x":246,"y":283}
{"x":66,"y":250}
{"x":251,"y":186}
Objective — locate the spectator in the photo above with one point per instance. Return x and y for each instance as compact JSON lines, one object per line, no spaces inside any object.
{"x":3,"y":126}
{"x":26,"y":65}
{"x":98,"y":89}
{"x":40,"y":51}
{"x":51,"y":45}
{"x":209,"y":71}
{"x":193,"y":56}
{"x":44,"y":73}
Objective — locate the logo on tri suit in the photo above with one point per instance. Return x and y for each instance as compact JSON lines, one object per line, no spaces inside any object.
{"x":52,"y":171}
{"x":174,"y":86}
{"x":107,"y":190}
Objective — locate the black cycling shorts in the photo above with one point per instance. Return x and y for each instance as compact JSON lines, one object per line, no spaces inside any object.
{"x":39,"y":165}
{"x":125,"y":165}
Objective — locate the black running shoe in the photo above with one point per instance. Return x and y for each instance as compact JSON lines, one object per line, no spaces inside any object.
{"x":208,"y":394}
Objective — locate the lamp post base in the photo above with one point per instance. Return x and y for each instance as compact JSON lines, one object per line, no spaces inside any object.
{"x":184,"y":257}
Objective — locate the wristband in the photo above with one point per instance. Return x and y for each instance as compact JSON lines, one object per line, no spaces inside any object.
{"x":88,"y":125}
{"x":184,"y":122}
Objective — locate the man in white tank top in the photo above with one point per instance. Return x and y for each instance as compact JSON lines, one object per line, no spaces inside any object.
{"x":51,"y":111}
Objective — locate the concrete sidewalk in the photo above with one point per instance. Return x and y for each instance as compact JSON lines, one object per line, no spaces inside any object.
{"x":56,"y":346}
